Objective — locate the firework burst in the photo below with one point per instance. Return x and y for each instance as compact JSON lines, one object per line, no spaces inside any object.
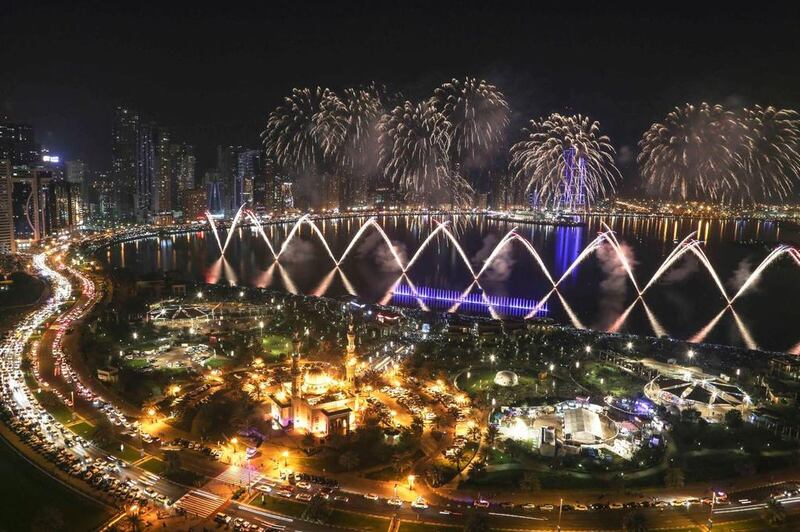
{"x":307,"y":130}
{"x":478,"y":114}
{"x":772,"y":154}
{"x":415,"y":141}
{"x":694,"y":154}
{"x":539,"y":161}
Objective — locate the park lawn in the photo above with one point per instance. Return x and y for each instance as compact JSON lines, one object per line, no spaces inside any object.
{"x":55,"y":407}
{"x":154,"y":465}
{"x":387,"y":473}
{"x":217,"y":362}
{"x":136,"y":363}
{"x":82,"y":429}
{"x":276,"y":345}
{"x":410,"y":526}
{"x":128,"y":453}
{"x":32,"y":495}
{"x":607,"y":378}
{"x":279,"y":505}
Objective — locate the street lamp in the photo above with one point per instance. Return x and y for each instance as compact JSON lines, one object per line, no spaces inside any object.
{"x":285,"y":458}
{"x":411,"y":479}
{"x":588,"y":349}
{"x":690,"y":354}
{"x":135,"y":335}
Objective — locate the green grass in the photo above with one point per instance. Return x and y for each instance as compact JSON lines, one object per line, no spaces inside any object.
{"x":128,"y":453}
{"x":82,"y":429}
{"x":217,"y":362}
{"x":154,"y":465}
{"x":32,"y":496}
{"x":276,"y":345}
{"x":55,"y":407}
{"x":280,"y":505}
{"x":608,"y":379}
{"x":136,"y":363}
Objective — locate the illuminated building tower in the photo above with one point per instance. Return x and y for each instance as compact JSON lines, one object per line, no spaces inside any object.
{"x":296,"y":393}
{"x":124,"y":133}
{"x":7,"y":244}
{"x":162,"y":200}
{"x":350,"y":356}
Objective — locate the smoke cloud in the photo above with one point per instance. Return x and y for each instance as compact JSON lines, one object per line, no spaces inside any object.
{"x":503,"y":263}
{"x":614,"y":286}
{"x":375,"y":247}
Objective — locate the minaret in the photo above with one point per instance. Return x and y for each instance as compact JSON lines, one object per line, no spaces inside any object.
{"x":350,"y":355}
{"x":295,"y":375}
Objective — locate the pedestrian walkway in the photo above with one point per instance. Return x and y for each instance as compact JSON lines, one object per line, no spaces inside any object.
{"x":200,"y":503}
{"x":240,"y":476}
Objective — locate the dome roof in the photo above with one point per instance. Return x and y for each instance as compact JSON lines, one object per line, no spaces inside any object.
{"x":506,"y":378}
{"x":315,"y":380}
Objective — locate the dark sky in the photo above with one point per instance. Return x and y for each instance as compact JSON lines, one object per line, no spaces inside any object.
{"x":214,"y":75}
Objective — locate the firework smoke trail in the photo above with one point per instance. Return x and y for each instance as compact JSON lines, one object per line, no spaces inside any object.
{"x":573,"y":318}
{"x":615,"y":326}
{"x":346,"y":282}
{"x":425,"y":244}
{"x":214,"y":229}
{"x":232,"y":228}
{"x":465,"y":293}
{"x":459,"y":249}
{"x":612,"y":239}
{"x":323,"y":286}
{"x":538,"y":161}
{"x":374,"y":223}
{"x":673,"y":256}
{"x":230,"y":275}
{"x":260,"y":228}
{"x":266,"y":278}
{"x":593,"y":245}
{"x":795,"y":349}
{"x":700,"y":335}
{"x":497,"y":249}
{"x":316,"y":230}
{"x":292,"y":231}
{"x":658,"y":330}
{"x":744,"y":332}
{"x":772,"y":257}
{"x":700,"y":254}
{"x":287,"y":281}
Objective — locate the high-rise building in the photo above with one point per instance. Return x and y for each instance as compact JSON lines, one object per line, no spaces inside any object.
{"x":183,"y":164}
{"x":30,"y":197}
{"x":17,"y":144}
{"x":124,"y":172}
{"x":7,"y":244}
{"x":162,"y":201}
{"x":146,"y":142}
{"x":76,"y":171}
{"x":194,"y":203}
{"x":247,"y":168}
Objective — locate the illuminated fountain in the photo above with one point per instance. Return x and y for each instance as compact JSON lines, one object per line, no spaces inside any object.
{"x":690,"y":245}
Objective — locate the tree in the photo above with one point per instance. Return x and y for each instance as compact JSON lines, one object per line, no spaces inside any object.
{"x":476,"y":522}
{"x":634,"y":522}
{"x":491,"y":433}
{"x":530,"y":482}
{"x":349,"y":460}
{"x":316,"y":510}
{"x":774,"y":513}
{"x":456,"y":456}
{"x":135,"y":521}
{"x":733,"y":419}
{"x":173,"y":460}
{"x":674,"y":477}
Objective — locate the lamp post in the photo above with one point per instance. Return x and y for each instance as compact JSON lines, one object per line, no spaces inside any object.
{"x":285,"y":458}
{"x":411,"y":479}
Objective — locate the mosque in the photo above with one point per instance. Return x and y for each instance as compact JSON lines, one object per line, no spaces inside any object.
{"x":315,"y":401}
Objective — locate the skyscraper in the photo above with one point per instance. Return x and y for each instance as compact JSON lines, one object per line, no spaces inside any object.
{"x":146,"y":141}
{"x":7,"y":244}
{"x":183,"y":164}
{"x":17,"y":144}
{"x":125,"y":132}
{"x":163,"y":181}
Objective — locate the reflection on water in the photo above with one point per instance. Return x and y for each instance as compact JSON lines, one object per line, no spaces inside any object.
{"x":623,"y":274}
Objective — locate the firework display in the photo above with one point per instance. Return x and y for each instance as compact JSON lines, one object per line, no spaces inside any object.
{"x":415,"y":140}
{"x":708,"y":152}
{"x":478,"y":115}
{"x":554,"y":145}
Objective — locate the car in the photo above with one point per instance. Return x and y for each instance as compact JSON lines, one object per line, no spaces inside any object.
{"x":222,"y":518}
{"x":419,"y":503}
{"x":481,"y":503}
{"x":304,"y":485}
{"x":529,"y":507}
{"x":395,"y":502}
{"x":581,"y":507}
{"x":371,"y":496}
{"x":303,"y":497}
{"x":264,"y":489}
{"x":285,"y":493}
{"x":341,"y":498}
{"x":615,"y":506}
{"x":547,"y":507}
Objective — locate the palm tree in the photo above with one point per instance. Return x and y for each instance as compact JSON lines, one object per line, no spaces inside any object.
{"x":456,"y":456}
{"x":135,"y":521}
{"x":634,"y":522}
{"x":774,"y":513}
{"x":674,"y":477}
{"x":349,"y":460}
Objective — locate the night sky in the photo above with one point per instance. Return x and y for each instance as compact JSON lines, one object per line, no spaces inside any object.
{"x":213,"y":76}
